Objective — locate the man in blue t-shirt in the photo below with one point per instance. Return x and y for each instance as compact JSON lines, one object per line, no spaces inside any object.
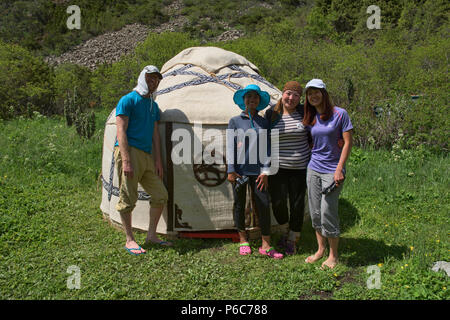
{"x":137,"y":116}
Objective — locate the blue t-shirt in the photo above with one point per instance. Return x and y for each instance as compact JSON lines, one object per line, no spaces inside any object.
{"x":326,"y":153}
{"x":142,"y":114}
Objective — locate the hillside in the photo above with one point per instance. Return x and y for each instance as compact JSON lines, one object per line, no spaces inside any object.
{"x":111,"y":46}
{"x":41,"y":25}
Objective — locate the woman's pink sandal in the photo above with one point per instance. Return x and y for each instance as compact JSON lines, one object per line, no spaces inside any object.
{"x":271,"y":253}
{"x":244,"y":249}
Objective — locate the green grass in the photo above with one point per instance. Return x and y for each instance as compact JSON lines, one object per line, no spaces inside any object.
{"x":394,"y":213}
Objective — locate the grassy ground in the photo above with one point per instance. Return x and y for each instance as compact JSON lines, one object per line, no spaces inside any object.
{"x":394,"y":214}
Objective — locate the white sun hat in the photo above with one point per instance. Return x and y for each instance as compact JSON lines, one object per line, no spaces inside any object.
{"x":315,"y":83}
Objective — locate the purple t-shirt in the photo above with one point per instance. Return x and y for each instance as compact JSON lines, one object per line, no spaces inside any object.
{"x":326,"y":153}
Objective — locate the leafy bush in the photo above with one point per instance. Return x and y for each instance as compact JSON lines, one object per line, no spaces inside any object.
{"x":75,"y":113}
{"x":69,"y":77}
{"x":26,"y":83}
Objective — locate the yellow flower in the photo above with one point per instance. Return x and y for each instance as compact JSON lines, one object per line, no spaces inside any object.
{"x":438,"y":241}
{"x":335,"y":275}
{"x":406,"y":265}
{"x":412,"y":248}
{"x":380,"y":265}
{"x":444,"y":288}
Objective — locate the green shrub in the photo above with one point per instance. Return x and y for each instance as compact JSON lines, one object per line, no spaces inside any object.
{"x":318,"y":25}
{"x":26,"y":83}
{"x":68,"y":77}
{"x":426,"y":68}
{"x":85,"y":124}
{"x":76,"y":114}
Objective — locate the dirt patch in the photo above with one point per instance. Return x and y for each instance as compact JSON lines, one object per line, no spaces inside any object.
{"x":323,"y":295}
{"x":348,"y":277}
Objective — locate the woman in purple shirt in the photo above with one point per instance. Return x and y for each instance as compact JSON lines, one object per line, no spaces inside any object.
{"x":326,"y":169}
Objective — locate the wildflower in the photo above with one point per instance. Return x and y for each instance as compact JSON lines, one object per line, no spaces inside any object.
{"x":380,"y":265}
{"x":412,"y":248}
{"x":438,"y":241}
{"x":335,"y":274}
{"x":444,"y":288}
{"x":406,"y":265}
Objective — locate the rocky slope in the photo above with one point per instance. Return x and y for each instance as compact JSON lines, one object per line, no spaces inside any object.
{"x":109,"y":47}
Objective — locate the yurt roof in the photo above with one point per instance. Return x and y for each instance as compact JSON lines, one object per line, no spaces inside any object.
{"x":212,"y":59}
{"x":199,"y":83}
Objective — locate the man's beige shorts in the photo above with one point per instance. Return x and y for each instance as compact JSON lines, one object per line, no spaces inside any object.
{"x":144,"y":174}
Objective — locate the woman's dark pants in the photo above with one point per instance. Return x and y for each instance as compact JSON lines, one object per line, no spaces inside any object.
{"x":262,"y":206}
{"x":288,"y":183}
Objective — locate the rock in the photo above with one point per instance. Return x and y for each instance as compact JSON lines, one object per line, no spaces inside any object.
{"x":230,"y":35}
{"x":442,"y":265}
{"x":108,"y":47}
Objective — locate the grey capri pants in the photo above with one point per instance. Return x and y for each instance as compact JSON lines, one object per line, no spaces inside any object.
{"x":323,"y":208}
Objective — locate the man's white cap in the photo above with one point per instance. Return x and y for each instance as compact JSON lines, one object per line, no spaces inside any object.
{"x":315,"y":83}
{"x":153,"y":69}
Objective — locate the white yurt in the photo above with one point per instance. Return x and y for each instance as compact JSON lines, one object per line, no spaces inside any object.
{"x":195,"y":97}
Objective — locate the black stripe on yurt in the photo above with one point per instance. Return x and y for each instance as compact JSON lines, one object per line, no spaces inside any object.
{"x":202,"y":79}
{"x":111,"y":176}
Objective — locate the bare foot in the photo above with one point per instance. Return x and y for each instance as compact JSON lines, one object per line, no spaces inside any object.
{"x":317,"y":256}
{"x":136,"y":248}
{"x":329,"y":263}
